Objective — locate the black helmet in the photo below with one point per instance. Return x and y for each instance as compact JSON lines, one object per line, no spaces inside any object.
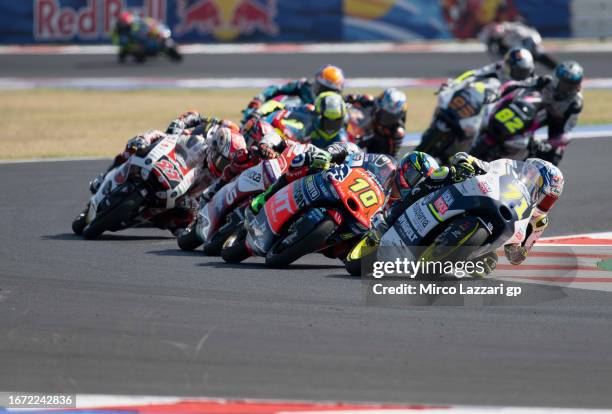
{"x":518,"y":64}
{"x":567,"y":80}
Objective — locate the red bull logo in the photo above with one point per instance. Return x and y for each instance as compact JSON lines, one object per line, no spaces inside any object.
{"x":227,"y":19}
{"x":93,"y":19}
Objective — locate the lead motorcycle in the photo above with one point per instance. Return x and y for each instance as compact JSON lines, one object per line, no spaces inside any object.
{"x":145,"y":44}
{"x":136,"y":191}
{"x":511,"y":126}
{"x":327,"y":212}
{"x":458,"y":117}
{"x":219,"y":218}
{"x":479,"y":215}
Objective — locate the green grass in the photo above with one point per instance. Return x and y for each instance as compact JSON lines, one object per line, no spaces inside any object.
{"x":66,"y":123}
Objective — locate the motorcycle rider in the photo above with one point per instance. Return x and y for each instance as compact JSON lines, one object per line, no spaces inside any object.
{"x":131,"y":29}
{"x":517,"y":65}
{"x":562,"y":103}
{"x":501,"y":37}
{"x":419,"y":174}
{"x":327,"y":78}
{"x":208,"y":155}
{"x":312,"y":160}
{"x":122,"y":35}
{"x":387,"y":113}
{"x":263,"y":143}
{"x":191,"y":121}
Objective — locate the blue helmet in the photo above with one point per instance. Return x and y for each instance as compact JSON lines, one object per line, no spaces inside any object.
{"x":413,"y":168}
{"x":567,"y":80}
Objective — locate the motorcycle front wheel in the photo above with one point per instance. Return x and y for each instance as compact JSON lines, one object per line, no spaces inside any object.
{"x":234,"y":249}
{"x":435,"y":142}
{"x":189,"y":240}
{"x":113,"y":218}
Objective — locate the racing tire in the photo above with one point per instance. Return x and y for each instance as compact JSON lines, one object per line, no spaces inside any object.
{"x":234,"y":249}
{"x":215,"y":245}
{"x":354,"y":266}
{"x":189,"y":240}
{"x":311,"y":242}
{"x":79,"y":223}
{"x":140,"y":57}
{"x":435,"y":143}
{"x":114,"y":216}
{"x":174,"y":54}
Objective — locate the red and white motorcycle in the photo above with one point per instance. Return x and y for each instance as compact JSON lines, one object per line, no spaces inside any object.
{"x":137,"y":191}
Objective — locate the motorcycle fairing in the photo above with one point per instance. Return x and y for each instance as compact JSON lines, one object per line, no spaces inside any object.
{"x":497,"y":197}
{"x":361,"y":195}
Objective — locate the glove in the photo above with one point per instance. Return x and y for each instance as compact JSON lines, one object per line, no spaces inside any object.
{"x":265,"y":152}
{"x":318,"y":159}
{"x":136,"y":144}
{"x":187,"y":202}
{"x":515,"y":253}
{"x":255,"y":103}
{"x":488,"y":262}
{"x":462,"y":166}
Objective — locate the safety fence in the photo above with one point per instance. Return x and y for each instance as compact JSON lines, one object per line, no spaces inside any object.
{"x":287,"y":21}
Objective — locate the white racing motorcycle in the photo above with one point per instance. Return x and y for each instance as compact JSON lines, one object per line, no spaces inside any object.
{"x":458,"y":117}
{"x":479,"y":215}
{"x":137,"y":190}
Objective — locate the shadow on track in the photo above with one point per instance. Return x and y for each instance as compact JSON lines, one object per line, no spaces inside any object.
{"x":177,"y":253}
{"x":104,"y":237}
{"x":250,"y":265}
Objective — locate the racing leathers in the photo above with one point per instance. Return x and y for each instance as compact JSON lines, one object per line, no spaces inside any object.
{"x":310,"y":161}
{"x":560,"y":116}
{"x":492,"y":70}
{"x":462,"y":167}
{"x":199,"y":151}
{"x":378,"y":138}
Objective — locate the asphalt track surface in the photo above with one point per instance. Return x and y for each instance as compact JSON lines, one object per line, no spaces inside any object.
{"x":131,"y":314}
{"x":424,"y":65}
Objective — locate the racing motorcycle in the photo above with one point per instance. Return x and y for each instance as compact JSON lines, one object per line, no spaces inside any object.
{"x":458,"y":117}
{"x":327,"y":212}
{"x":359,"y":131}
{"x":461,"y":221}
{"x":511,"y":126}
{"x":219,"y":218}
{"x":136,"y":191}
{"x":274,"y":104}
{"x":145,"y":44}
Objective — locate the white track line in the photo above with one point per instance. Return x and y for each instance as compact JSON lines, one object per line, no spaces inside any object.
{"x":587,"y":46}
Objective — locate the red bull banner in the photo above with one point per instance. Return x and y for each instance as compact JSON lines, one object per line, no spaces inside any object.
{"x":200,"y":21}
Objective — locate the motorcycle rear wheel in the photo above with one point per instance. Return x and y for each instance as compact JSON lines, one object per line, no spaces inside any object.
{"x":311,"y":242}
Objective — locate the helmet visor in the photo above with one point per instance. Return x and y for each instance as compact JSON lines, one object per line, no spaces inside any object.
{"x":331,"y":126}
{"x":387,"y":119}
{"x":566,"y":89}
{"x":520,"y":73}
